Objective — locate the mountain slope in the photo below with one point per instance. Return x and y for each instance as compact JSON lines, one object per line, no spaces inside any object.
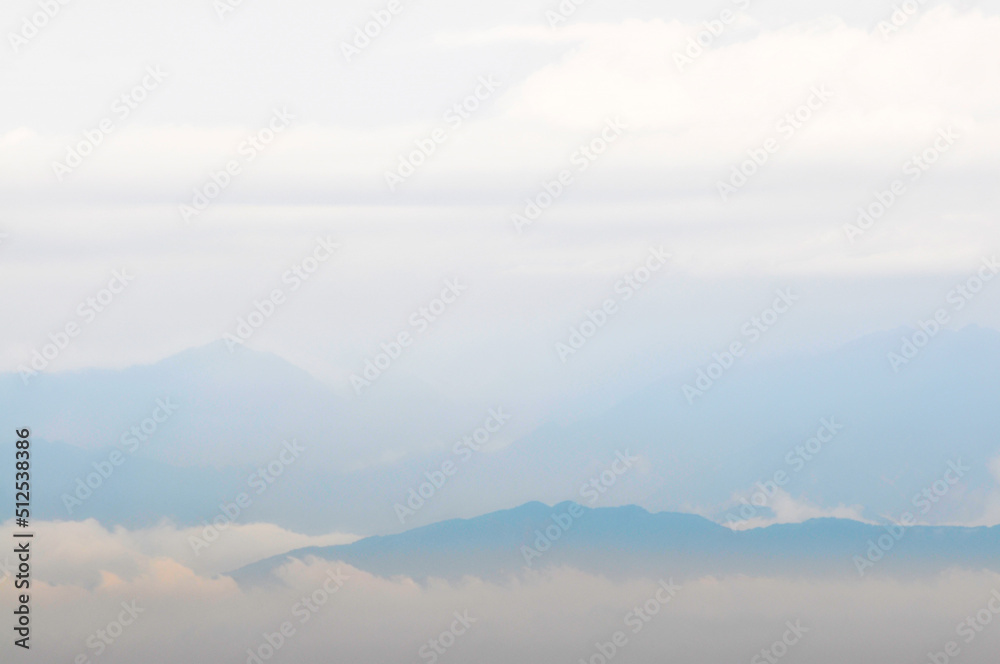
{"x":364,"y":456}
{"x":629,"y":541}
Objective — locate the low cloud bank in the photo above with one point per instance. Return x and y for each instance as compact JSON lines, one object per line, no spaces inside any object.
{"x":121,"y":596}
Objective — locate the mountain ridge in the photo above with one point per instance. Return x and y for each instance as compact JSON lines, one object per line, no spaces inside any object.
{"x":632,"y":541}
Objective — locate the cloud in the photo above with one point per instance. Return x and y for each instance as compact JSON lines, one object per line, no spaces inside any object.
{"x":77,"y":552}
{"x":991,"y":503}
{"x":687,"y":128}
{"x":785,"y":509}
{"x":334,"y":610}
{"x":326,"y":174}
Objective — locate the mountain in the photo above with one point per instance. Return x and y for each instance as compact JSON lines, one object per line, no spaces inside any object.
{"x":364,"y":456}
{"x":628,"y":541}
{"x":232,"y":408}
{"x":899,"y":431}
{"x":226,"y":416}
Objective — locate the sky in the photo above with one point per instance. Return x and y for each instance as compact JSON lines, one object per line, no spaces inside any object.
{"x":744,"y":159}
{"x":884,"y":98}
{"x":462,"y":191}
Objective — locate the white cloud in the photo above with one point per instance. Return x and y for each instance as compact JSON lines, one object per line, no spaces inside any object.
{"x":77,"y":552}
{"x":991,"y":504}
{"x":787,"y":509}
{"x":558,"y":615}
{"x":890,"y":97}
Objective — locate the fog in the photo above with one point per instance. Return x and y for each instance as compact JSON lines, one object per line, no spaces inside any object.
{"x":560,"y":615}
